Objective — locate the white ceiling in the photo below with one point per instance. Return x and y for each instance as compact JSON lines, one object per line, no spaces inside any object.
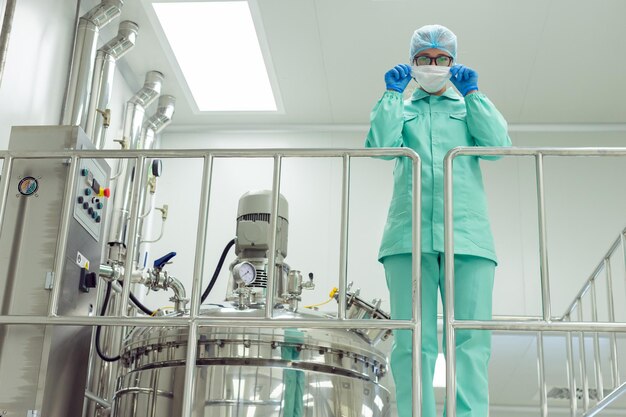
{"x":540,"y":61}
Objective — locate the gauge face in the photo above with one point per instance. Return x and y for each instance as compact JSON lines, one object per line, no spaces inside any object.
{"x":244,"y":272}
{"x":28,"y":186}
{"x":157,"y":167}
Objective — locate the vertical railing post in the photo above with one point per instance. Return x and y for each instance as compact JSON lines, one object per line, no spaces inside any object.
{"x":416,"y":288}
{"x":615,"y":378}
{"x":59,"y":259}
{"x":571,"y":377}
{"x":623,"y":243}
{"x":196,"y":286}
{"x":541,"y":366}
{"x":271,"y":259}
{"x":343,"y":240}
{"x":122,"y":307}
{"x":448,"y":205}
{"x":596,"y":343}
{"x":4,"y":187}
{"x":543,"y":240}
{"x":583,"y":359}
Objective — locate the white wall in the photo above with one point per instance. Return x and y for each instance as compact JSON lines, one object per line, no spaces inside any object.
{"x":585,"y":212}
{"x":36,"y":68}
{"x":37,"y":65}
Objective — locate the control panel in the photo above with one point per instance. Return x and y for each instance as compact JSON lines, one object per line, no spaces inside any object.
{"x":91,"y":196}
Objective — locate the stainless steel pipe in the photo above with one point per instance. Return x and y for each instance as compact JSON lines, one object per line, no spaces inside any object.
{"x":102,"y":83}
{"x":83,"y":57}
{"x":158,"y":121}
{"x":343,"y":237}
{"x":5,"y":35}
{"x":154,"y":125}
{"x":543,"y":240}
{"x":131,"y":139}
{"x":271,"y":257}
{"x":597,"y":363}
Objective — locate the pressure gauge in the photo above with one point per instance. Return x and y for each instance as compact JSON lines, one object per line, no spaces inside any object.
{"x":244,"y":273}
{"x":157,"y":167}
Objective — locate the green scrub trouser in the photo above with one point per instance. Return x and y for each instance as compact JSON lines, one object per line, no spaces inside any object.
{"x":473,"y":299}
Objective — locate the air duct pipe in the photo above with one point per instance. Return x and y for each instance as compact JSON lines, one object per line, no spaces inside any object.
{"x":158,"y":121}
{"x":151,"y":128}
{"x":131,"y":139}
{"x":83,"y":57}
{"x":7,"y":26}
{"x":98,"y":114}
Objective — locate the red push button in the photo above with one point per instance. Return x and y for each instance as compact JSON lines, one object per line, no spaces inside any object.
{"x":104,"y":192}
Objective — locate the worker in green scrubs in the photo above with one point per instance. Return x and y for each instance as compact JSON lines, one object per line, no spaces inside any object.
{"x":435,"y":119}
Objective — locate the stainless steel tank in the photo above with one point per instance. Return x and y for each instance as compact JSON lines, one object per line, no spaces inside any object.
{"x":251,"y":372}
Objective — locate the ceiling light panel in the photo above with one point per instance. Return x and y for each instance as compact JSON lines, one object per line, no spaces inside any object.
{"x":216,"y":46}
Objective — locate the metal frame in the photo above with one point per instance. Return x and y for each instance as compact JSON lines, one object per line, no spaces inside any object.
{"x":195,"y":321}
{"x":547,"y":322}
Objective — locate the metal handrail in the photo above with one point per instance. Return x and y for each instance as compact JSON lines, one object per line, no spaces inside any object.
{"x":547,"y":322}
{"x":589,"y":289}
{"x":195,"y":321}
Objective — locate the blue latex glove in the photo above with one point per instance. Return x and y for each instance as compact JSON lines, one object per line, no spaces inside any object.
{"x":398,"y":77}
{"x":464,"y":79}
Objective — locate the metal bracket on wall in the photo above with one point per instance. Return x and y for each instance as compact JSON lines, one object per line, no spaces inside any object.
{"x":49,"y":280}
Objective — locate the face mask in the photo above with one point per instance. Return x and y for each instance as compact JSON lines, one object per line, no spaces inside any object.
{"x":431,"y":77}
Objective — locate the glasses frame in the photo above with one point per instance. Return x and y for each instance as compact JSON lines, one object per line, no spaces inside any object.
{"x":433,"y":60}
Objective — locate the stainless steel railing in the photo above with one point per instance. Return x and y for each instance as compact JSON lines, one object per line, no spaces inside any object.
{"x":547,"y":322}
{"x":588,"y":290}
{"x":195,"y":321}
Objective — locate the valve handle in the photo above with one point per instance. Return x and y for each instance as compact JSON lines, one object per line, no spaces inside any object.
{"x":163,"y":260}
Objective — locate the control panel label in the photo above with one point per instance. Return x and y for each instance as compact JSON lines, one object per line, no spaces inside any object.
{"x":82,"y":261}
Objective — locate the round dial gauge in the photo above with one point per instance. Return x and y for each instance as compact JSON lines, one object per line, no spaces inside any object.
{"x":244,"y":272}
{"x":157,"y":167}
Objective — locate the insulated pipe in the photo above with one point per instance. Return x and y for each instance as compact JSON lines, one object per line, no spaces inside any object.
{"x":102,"y":83}
{"x":158,"y":121}
{"x":151,"y":128}
{"x":7,"y":25}
{"x":83,"y":56}
{"x":131,"y":139}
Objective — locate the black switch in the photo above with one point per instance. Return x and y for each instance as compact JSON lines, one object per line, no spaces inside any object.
{"x":87,"y":280}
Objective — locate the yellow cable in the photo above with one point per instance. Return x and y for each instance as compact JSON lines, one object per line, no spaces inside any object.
{"x":331,"y":295}
{"x":155,"y":312}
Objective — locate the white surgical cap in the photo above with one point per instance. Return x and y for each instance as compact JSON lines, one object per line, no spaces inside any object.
{"x":433,"y":36}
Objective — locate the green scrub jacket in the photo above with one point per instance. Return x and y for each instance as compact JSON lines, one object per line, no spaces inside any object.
{"x":432,"y":125}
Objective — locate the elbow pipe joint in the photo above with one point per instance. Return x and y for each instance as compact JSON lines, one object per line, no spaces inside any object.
{"x":179,"y":299}
{"x":150,"y":90}
{"x":103,"y":13}
{"x":123,"y":42}
{"x":163,"y":116}
{"x":157,"y":279}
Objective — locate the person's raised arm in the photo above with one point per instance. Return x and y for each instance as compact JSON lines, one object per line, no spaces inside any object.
{"x":484,"y":122}
{"x":386,"y":119}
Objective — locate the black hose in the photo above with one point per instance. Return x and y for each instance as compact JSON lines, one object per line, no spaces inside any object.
{"x":141,"y":306}
{"x":218,"y":268}
{"x":105,"y":304}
